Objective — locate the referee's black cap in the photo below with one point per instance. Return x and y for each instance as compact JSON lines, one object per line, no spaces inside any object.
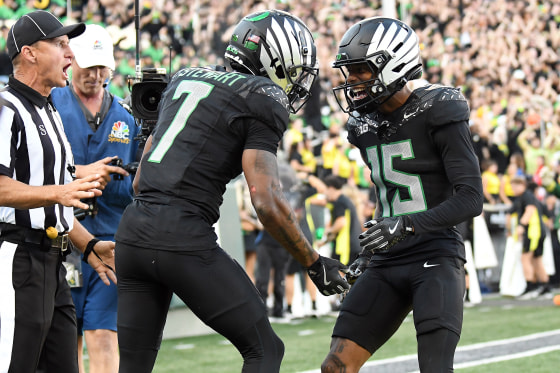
{"x":38,"y":25}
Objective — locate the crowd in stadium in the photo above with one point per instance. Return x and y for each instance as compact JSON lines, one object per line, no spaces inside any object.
{"x":503,"y":54}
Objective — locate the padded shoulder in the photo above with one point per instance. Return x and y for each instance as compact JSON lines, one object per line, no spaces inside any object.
{"x":267,"y":102}
{"x":265,"y":87}
{"x":447,"y":104}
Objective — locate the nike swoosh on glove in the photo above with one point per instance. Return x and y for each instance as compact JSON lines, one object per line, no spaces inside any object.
{"x":358,"y":266}
{"x":383,"y":233}
{"x":325,"y":274}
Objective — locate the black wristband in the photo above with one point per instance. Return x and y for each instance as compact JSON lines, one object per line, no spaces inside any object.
{"x":89,"y":249}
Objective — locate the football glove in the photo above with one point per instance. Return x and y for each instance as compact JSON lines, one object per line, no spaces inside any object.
{"x":383,"y":233}
{"x":358,"y":266}
{"x":325,"y":274}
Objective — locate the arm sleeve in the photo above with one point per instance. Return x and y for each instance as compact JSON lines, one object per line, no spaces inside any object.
{"x":461,"y":165}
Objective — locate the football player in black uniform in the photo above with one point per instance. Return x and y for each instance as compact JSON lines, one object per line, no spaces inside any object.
{"x":427,"y":179}
{"x":213,"y":125}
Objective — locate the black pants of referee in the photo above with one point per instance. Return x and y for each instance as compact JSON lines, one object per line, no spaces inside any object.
{"x":271,"y":256}
{"x":37,"y":315}
{"x":213,"y":285}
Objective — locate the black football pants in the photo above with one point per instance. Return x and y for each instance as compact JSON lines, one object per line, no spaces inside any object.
{"x":37,"y":315}
{"x":379,"y":301}
{"x":213,"y":285}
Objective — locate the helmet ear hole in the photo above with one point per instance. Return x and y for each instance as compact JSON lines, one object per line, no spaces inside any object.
{"x":280,"y":72}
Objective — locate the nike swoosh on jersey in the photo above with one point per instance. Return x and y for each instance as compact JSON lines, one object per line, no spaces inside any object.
{"x":408,"y":115}
{"x":426,"y":265}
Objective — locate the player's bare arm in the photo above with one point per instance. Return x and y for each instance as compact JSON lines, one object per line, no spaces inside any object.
{"x":272,"y":208}
{"x":22,"y":196}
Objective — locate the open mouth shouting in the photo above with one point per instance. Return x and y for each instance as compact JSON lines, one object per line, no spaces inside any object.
{"x":65,"y":71}
{"x":358,"y":94}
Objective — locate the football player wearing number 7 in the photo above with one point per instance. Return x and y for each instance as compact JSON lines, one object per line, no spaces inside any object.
{"x":214,"y":124}
{"x":427,"y":179}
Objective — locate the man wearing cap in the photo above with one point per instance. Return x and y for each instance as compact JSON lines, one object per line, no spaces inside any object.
{"x":99,"y":130}
{"x":38,"y":192}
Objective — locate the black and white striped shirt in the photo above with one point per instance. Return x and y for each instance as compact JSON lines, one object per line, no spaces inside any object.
{"x":33,"y":150}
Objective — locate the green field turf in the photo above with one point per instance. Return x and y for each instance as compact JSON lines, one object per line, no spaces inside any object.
{"x":307,"y":341}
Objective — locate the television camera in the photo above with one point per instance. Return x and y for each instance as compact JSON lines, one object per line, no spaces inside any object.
{"x":145,"y":96}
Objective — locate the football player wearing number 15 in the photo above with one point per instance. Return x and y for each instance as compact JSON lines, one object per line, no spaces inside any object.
{"x":427,"y":179}
{"x":213,"y":125}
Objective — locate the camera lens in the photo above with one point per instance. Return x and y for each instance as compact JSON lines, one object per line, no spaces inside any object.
{"x":145,"y":99}
{"x":150,"y":99}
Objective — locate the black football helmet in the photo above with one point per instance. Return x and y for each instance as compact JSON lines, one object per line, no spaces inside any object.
{"x":277,"y":45}
{"x":390,"y":49}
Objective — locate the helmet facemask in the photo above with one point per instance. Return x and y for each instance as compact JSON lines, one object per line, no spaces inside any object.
{"x":298,"y":91}
{"x":373,"y":91}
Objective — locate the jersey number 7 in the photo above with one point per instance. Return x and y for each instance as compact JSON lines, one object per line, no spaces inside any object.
{"x":197,"y":91}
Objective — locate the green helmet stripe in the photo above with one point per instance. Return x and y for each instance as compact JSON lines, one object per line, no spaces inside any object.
{"x":259,"y":17}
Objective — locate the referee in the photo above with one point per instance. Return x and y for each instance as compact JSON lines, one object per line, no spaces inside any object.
{"x":37,"y":197}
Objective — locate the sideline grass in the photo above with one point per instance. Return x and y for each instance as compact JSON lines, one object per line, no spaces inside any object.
{"x":307,"y":343}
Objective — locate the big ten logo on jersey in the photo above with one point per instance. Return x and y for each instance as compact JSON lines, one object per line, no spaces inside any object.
{"x":119,"y":133}
{"x":363,"y":124}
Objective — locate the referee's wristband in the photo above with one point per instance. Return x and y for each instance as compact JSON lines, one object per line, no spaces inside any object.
{"x":89,"y":249}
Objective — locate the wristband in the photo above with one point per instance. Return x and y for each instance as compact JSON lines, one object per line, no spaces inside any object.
{"x":89,"y":249}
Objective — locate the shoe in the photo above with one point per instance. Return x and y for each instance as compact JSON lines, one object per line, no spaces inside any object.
{"x":531,"y":294}
{"x":545,"y":293}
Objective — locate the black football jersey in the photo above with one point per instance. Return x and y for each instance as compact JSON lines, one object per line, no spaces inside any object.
{"x":206,"y":119}
{"x":423,"y":165}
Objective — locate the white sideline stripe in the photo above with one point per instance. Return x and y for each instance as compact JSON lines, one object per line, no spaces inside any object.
{"x":477,"y":346}
{"x":509,"y":340}
{"x":474,"y":363}
{"x":537,"y":351}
